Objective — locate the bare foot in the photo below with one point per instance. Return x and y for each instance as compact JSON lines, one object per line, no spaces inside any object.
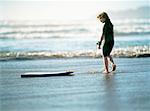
{"x":105,"y":72}
{"x":113,"y":67}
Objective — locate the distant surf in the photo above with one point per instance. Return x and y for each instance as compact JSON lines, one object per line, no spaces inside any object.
{"x":46,"y":29}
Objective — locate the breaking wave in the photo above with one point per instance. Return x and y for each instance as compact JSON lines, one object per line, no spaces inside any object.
{"x":139,"y":51}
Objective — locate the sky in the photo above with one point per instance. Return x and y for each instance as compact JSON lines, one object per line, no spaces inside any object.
{"x":62,"y":9}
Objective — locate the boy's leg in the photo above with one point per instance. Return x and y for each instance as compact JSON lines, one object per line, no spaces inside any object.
{"x":111,"y":59}
{"x":105,"y":60}
{"x":113,"y":64}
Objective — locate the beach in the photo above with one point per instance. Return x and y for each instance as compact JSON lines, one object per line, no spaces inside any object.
{"x":127,"y":89}
{"x":62,"y":35}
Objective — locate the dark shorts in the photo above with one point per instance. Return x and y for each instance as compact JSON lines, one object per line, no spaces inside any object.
{"x":107,"y":48}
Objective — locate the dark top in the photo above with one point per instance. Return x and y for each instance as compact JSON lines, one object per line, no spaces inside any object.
{"x":108,"y":31}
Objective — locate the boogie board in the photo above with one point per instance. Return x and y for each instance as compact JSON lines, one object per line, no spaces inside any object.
{"x":46,"y":74}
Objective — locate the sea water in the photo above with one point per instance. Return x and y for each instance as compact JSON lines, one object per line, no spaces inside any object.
{"x":47,"y":39}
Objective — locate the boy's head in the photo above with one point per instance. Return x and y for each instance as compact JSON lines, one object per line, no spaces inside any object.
{"x":103,"y":17}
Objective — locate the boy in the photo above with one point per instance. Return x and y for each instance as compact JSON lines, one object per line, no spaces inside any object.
{"x":108,"y":37}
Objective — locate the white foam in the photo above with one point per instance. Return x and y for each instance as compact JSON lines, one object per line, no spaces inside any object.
{"x":119,"y":52}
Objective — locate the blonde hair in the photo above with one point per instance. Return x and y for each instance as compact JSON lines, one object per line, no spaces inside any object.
{"x":103,"y":15}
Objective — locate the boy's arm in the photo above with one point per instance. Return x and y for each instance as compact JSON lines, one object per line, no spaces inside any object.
{"x":103,"y":33}
{"x":99,"y":42}
{"x":102,"y":37}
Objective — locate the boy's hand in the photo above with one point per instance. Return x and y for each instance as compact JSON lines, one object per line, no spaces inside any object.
{"x":99,"y":44}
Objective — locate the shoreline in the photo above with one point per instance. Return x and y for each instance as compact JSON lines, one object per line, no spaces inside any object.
{"x":39,"y":57}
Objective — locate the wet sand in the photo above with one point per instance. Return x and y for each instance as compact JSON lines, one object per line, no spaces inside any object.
{"x":88,"y":90}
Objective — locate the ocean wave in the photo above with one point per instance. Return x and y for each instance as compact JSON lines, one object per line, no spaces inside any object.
{"x":27,"y":31}
{"x":34,"y":29}
{"x":47,"y":35}
{"x":138,"y":51}
{"x":35,"y":24}
{"x":131,"y":33}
